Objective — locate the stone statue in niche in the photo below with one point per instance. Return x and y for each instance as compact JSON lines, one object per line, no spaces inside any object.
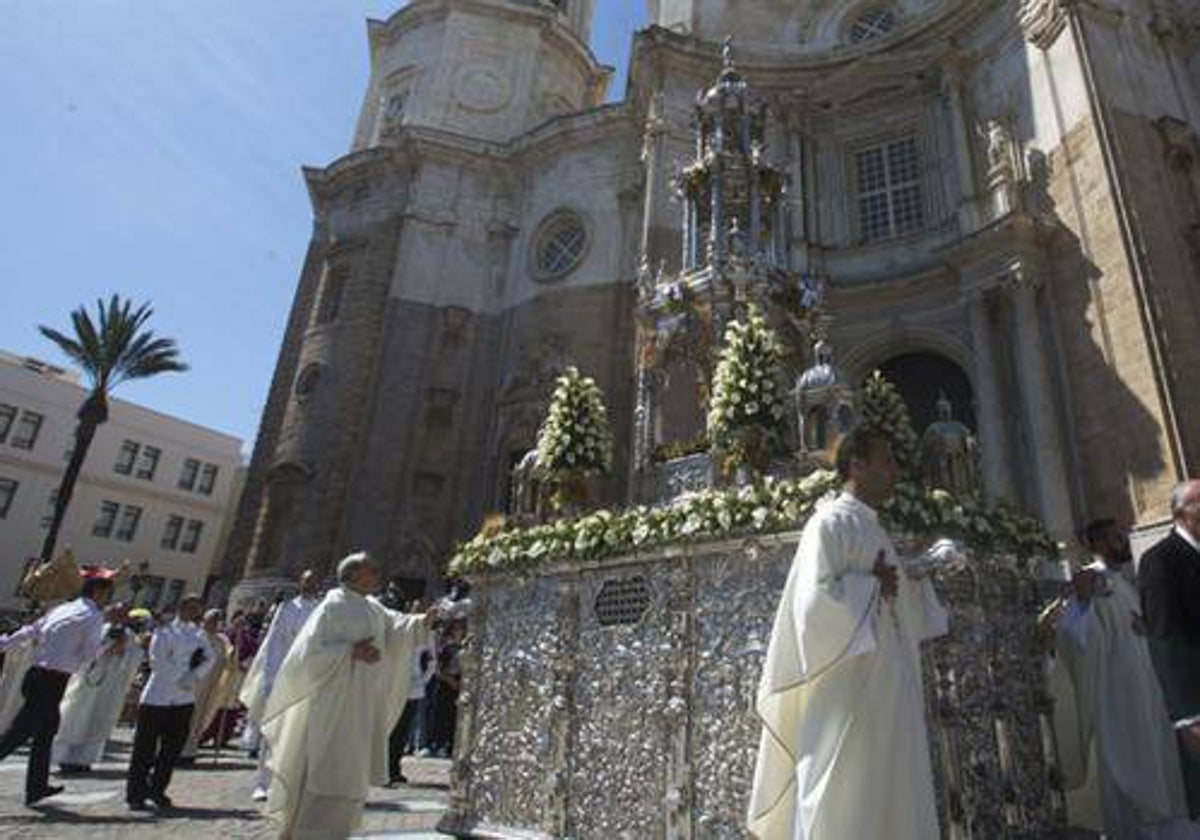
{"x":392,"y":113}
{"x":950,"y":453}
{"x":1002,"y":175}
{"x":999,"y":143}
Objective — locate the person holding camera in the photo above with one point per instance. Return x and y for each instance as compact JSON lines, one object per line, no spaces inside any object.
{"x":180,"y":657}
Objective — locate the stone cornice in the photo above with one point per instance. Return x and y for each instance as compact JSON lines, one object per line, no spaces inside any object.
{"x":1013,"y":244}
{"x":418,"y":12}
{"x":934,"y":31}
{"x":590,"y":127}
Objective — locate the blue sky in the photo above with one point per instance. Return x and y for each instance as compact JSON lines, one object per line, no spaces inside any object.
{"x":153,"y":148}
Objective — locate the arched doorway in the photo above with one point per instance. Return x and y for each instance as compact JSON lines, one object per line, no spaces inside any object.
{"x":921,"y":378}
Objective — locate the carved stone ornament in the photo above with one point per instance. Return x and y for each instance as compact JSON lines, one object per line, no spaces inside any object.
{"x":482,"y":88}
{"x":1041,"y":21}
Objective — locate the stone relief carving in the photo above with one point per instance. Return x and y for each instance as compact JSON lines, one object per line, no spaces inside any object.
{"x":1041,"y":21}
{"x":482,"y":87}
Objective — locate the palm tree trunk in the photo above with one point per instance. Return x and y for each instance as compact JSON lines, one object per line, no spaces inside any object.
{"x":92,"y":413}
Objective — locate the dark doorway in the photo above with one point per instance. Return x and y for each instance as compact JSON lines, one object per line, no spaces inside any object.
{"x":921,"y":378}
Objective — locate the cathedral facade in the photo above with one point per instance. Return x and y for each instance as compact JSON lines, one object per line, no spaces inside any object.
{"x":999,"y":199}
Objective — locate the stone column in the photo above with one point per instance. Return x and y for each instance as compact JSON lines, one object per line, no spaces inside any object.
{"x":652,"y":154}
{"x":952,"y":88}
{"x":1041,"y":416}
{"x":997,"y":477}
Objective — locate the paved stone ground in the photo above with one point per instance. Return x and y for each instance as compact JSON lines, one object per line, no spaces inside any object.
{"x":212,"y":801}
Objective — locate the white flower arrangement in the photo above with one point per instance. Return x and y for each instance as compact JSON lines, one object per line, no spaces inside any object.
{"x":767,"y":506}
{"x":748,"y":410}
{"x":575,"y":438}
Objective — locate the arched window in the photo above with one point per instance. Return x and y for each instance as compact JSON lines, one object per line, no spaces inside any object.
{"x":307,"y":381}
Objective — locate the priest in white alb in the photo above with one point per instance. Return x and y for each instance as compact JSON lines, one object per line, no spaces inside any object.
{"x":95,"y":697}
{"x":844,"y":753}
{"x":340,"y":689}
{"x":1114,"y":735}
{"x":260,"y":677}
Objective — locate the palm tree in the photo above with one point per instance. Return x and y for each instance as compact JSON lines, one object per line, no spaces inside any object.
{"x":120,"y":348}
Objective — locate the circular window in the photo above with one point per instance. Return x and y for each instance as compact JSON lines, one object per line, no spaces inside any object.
{"x":559,"y":246}
{"x":307,"y":381}
{"x":872,"y":24}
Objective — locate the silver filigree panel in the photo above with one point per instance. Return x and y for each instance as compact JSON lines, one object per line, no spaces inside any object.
{"x":513,"y":698}
{"x":594,"y":731}
{"x":732,"y":627}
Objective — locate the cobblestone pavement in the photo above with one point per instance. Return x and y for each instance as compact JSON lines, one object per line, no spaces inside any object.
{"x":212,"y":801}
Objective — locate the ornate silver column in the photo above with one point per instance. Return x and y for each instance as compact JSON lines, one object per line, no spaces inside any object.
{"x":1040,"y":414}
{"x":997,"y":477}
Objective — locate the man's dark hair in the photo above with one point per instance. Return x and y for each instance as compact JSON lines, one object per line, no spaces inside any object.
{"x":1096,"y":529}
{"x":92,"y":586}
{"x":856,"y":444}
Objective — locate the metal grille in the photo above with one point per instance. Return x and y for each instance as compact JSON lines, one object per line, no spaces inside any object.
{"x":871,"y":24}
{"x":622,"y":601}
{"x":561,"y":245}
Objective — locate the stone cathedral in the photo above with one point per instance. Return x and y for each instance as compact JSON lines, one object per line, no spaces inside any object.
{"x":998,"y":202}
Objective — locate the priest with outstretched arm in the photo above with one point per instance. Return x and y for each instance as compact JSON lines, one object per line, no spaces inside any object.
{"x":338,"y":692}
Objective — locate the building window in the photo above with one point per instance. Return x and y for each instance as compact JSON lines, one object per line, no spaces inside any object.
{"x":8,"y":413}
{"x":126,"y":457}
{"x":51,"y":503}
{"x":173,"y":595}
{"x":170,"y":537}
{"x":191,"y":536}
{"x":151,"y":588}
{"x":26,"y":433}
{"x":187,"y":479}
{"x":559,"y":246}
{"x":332,"y":288}
{"x":8,"y":492}
{"x":149,"y":462}
{"x":106,"y":520}
{"x":873,"y":23}
{"x":307,"y":381}
{"x":208,"y":479}
{"x":889,"y":190}
{"x":129,"y":522}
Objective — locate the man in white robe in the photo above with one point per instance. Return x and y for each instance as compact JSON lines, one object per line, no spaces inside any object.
{"x":17,"y":659}
{"x":260,"y":678}
{"x":1109,"y":711}
{"x":336,"y":697}
{"x":844,"y":752}
{"x":94,"y":700}
{"x":212,"y":692}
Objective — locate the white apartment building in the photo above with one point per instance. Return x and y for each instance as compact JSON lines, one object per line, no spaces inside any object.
{"x":155,"y":490}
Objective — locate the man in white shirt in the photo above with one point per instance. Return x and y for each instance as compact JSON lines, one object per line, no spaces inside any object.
{"x":180,"y":657}
{"x":66,"y":639}
{"x":285,"y":626}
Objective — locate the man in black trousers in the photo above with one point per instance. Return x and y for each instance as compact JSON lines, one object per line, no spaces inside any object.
{"x":66,"y":639}
{"x":180,"y":657}
{"x":1169,"y":580}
